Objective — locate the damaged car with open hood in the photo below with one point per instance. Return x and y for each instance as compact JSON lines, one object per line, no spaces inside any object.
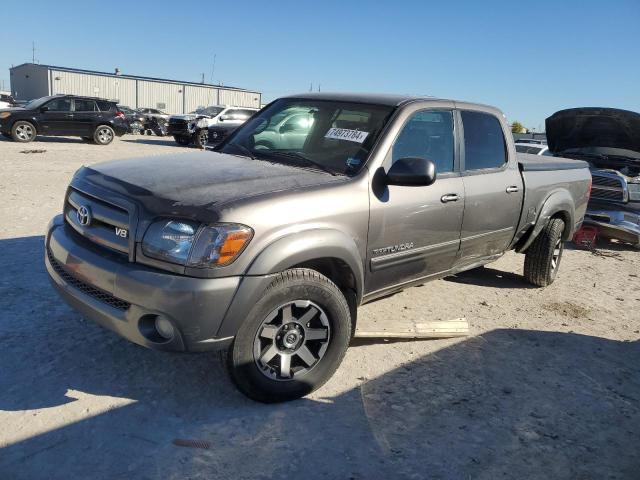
{"x":609,"y":139}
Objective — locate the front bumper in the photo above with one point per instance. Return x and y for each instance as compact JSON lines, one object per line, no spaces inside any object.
{"x":127,"y":297}
{"x":619,"y":224}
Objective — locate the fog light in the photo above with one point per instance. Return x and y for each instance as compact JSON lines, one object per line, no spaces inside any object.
{"x":164,"y":327}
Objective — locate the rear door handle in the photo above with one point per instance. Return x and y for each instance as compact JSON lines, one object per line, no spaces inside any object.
{"x":512,"y":189}
{"x":451,"y":197}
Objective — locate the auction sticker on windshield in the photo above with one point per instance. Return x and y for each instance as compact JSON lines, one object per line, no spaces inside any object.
{"x":346,"y":134}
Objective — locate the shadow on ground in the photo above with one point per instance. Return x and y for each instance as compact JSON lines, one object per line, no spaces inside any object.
{"x":507,"y":404}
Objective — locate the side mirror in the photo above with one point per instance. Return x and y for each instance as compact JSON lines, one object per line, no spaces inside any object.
{"x":412,"y":171}
{"x":44,"y":109}
{"x":223,"y":118}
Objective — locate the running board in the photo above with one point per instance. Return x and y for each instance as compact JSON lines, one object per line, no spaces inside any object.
{"x":457,"y":327}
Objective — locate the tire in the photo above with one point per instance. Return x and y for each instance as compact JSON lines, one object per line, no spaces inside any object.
{"x":201,"y":138}
{"x":23,"y":132}
{"x":180,"y":140}
{"x":302,"y":315}
{"x":542,"y":260}
{"x":103,"y":135}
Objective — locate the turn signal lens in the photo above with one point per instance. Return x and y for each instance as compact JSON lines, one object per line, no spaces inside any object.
{"x":219,"y":245}
{"x":5,"y":114}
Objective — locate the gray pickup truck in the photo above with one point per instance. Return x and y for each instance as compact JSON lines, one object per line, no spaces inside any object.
{"x":267,"y":250}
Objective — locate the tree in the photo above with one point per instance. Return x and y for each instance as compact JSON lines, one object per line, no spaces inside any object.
{"x":517,"y":127}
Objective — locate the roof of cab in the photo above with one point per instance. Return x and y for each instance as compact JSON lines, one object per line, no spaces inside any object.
{"x":391,"y":100}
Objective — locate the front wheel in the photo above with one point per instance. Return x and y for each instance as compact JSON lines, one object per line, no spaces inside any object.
{"x":201,"y":138}
{"x":293,"y":339}
{"x":103,"y":135}
{"x":542,"y":259}
{"x":23,"y":132}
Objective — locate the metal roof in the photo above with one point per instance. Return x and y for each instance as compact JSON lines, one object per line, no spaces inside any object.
{"x":133,"y":77}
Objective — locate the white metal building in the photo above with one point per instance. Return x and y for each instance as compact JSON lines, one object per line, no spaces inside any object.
{"x":31,"y":80}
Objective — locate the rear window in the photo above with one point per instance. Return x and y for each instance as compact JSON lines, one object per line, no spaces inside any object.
{"x":484,"y":143}
{"x":105,"y":106}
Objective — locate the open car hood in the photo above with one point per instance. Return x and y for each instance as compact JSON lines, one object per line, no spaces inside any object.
{"x":592,"y":128}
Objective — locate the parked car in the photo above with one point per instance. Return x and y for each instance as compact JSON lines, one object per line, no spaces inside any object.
{"x":269,"y":251}
{"x":94,"y":119}
{"x":534,"y":149}
{"x":193,"y":127}
{"x":154,"y":113}
{"x":135,"y":120}
{"x":7,"y":101}
{"x":609,"y":139}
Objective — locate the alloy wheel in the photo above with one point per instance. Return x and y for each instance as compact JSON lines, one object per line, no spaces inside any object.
{"x":291,"y":340}
{"x":105,"y":135}
{"x":557,"y":253}
{"x":24,"y":132}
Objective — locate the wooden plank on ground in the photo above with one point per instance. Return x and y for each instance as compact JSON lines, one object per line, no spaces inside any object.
{"x":412,"y":329}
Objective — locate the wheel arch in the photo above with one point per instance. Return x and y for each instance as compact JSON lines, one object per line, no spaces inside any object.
{"x":329,"y":252}
{"x":559,"y":204}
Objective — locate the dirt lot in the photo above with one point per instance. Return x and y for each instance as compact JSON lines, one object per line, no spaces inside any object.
{"x":546,"y":386}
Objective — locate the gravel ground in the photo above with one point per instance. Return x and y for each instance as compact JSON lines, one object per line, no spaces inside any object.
{"x":546,"y":386}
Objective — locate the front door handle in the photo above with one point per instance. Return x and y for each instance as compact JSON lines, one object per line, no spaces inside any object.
{"x":69,"y":115}
{"x":512,"y":189}
{"x":451,"y":197}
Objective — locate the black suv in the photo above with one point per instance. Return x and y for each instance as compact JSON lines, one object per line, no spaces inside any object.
{"x":93,"y":119}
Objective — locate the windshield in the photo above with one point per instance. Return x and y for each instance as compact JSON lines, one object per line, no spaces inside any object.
{"x":38,"y":102}
{"x":336,"y":137}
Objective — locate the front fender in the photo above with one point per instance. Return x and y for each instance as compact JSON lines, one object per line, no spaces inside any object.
{"x":301,"y":247}
{"x":284,"y":253}
{"x":559,"y":202}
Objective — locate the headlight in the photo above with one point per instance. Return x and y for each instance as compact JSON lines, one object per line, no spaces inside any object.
{"x":634,"y":192}
{"x":5,"y":114}
{"x":185,"y":243}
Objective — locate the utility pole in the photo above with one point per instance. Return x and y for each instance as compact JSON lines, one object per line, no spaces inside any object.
{"x":33,"y":52}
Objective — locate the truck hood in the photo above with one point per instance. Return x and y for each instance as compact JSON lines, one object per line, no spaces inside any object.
{"x":197,"y":184}
{"x":592,"y":129}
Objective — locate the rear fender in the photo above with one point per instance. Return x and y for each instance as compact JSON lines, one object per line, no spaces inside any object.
{"x":559,"y":203}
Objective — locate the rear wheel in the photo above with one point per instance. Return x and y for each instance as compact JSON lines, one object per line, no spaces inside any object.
{"x":23,"y":131}
{"x":180,"y":140}
{"x":103,"y":135}
{"x":542,"y":259}
{"x":293,"y":339}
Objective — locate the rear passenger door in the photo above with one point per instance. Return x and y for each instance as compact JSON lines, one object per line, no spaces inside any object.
{"x":492,"y":185}
{"x":85,"y":116}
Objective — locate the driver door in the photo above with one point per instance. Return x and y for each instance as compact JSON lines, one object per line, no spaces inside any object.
{"x":414,"y":231}
{"x":57,"y":119}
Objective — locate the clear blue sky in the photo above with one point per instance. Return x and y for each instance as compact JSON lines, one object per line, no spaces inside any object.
{"x":527,"y":58}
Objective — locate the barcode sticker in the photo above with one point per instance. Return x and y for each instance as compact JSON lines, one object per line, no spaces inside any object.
{"x":346,"y":134}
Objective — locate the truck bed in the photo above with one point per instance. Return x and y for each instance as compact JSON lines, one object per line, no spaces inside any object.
{"x":528,"y":163}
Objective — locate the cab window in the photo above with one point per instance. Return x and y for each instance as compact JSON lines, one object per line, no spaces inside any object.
{"x":427,"y":134}
{"x":484,"y":143}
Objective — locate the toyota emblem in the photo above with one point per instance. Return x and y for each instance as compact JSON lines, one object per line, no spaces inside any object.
{"x":83,"y":215}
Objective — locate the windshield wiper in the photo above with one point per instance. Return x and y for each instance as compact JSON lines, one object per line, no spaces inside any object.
{"x":303,"y":157}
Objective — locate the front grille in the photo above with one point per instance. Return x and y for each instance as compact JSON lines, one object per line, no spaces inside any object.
{"x":607,"y":181}
{"x":108,"y":224}
{"x":177,"y":122}
{"x":85,"y":288}
{"x":608,"y":187}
